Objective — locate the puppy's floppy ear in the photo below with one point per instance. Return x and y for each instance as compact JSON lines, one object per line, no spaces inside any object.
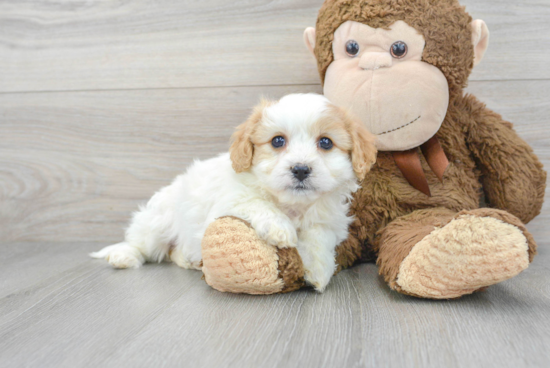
{"x":363,"y":149}
{"x":242,"y":148}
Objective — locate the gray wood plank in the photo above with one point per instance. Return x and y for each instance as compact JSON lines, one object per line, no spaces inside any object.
{"x":514,"y":26}
{"x":358,"y":322}
{"x":81,"y":45}
{"x":74,"y":165}
{"x":80,"y":315}
{"x":165,"y":316}
{"x":23,"y":264}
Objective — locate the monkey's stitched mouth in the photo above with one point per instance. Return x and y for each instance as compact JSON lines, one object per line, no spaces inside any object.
{"x":401,"y":127}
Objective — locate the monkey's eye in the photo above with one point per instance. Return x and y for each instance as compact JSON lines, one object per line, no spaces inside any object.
{"x":278,"y":142}
{"x":399,"y":49}
{"x":352,"y":48}
{"x":325,"y":143}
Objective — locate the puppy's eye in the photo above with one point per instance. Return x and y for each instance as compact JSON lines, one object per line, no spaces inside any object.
{"x":325,"y":143}
{"x":399,"y":50}
{"x":352,"y":48}
{"x":278,"y":142}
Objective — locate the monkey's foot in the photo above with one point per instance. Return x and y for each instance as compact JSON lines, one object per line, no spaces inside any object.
{"x":236,"y":260}
{"x":474,"y":250}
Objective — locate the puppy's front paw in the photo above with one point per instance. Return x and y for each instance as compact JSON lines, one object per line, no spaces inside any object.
{"x":319,"y":279}
{"x":281,"y":234}
{"x":319,"y":264}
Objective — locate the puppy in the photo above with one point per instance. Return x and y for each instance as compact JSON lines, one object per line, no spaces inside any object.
{"x":290,"y":172}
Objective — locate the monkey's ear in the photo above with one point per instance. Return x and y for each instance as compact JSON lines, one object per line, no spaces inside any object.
{"x":480,"y":39}
{"x":309,"y":39}
{"x":241,"y":151}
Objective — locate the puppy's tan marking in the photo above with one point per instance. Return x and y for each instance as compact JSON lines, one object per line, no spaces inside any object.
{"x":348,"y":135}
{"x":242,"y":146}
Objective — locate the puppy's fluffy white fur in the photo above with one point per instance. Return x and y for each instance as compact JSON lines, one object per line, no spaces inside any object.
{"x":255,"y":182}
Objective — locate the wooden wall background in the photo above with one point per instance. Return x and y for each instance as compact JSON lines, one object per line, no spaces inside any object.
{"x":103,"y":102}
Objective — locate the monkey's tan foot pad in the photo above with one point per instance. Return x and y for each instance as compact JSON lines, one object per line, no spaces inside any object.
{"x":236,"y":260}
{"x":476,"y":249}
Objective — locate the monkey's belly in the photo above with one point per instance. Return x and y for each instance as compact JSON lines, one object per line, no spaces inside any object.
{"x":386,"y":194}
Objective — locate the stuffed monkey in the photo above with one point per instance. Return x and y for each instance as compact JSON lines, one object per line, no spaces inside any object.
{"x":401,"y":68}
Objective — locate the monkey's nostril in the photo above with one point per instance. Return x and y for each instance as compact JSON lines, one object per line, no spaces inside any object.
{"x":301,"y":172}
{"x":375,"y":60}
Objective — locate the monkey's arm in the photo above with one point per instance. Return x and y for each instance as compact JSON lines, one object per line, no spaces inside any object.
{"x":512,"y":176}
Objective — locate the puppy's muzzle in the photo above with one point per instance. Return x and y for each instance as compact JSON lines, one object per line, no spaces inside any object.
{"x":301,"y":172}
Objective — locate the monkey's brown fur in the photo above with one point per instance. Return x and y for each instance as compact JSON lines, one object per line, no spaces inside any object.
{"x":486,"y":155}
{"x":444,"y":24}
{"x":484,"y":151}
{"x":481,"y":148}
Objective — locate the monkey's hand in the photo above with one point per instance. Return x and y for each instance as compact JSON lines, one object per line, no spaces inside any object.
{"x":512,"y":176}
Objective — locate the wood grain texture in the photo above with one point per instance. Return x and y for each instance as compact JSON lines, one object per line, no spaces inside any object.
{"x":163,"y":316}
{"x":55,"y":45}
{"x":73,"y":166}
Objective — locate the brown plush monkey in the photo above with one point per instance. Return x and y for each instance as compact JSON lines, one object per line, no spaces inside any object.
{"x":401,"y":67}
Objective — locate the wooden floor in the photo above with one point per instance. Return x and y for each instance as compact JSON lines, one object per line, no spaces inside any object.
{"x":104,"y":102}
{"x":58,"y":309}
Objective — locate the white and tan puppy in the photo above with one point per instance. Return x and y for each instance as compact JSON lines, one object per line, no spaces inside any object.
{"x":290,"y":173}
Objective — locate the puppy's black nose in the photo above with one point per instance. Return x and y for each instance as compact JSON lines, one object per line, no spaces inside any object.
{"x":301,"y":172}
